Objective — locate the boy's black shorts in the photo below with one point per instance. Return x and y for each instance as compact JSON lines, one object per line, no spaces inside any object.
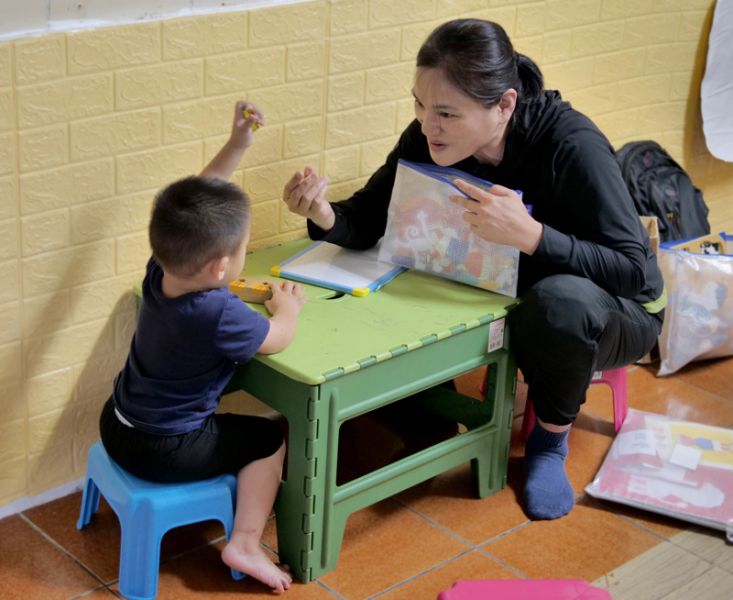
{"x":224,"y":444}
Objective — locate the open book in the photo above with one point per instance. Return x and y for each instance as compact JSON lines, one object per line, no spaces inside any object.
{"x":355,"y":272}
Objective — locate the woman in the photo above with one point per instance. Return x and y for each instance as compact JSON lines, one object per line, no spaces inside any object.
{"x":592,"y":294}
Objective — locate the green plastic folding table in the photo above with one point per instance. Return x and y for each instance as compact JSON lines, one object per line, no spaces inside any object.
{"x":352,"y":355}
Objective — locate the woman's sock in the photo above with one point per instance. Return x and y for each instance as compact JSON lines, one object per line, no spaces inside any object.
{"x":547,"y":491}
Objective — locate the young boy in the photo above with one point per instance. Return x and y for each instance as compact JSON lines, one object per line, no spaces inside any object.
{"x":159,"y":423}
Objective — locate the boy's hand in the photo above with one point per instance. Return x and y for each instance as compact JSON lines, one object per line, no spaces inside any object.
{"x":287,"y":298}
{"x":284,"y":306}
{"x":228,"y":158}
{"x":247,"y":118}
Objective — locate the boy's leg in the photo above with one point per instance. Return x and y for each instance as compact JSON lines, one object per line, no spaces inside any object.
{"x":222,"y":445}
{"x":257,"y":487}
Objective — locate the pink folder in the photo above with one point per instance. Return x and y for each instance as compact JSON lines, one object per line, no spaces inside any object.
{"x":523,"y":589}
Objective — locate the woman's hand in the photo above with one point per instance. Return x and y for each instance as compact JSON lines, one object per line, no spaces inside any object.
{"x":498,"y":215}
{"x":305,"y":195}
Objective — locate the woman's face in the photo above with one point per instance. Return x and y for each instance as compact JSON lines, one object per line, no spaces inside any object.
{"x":457,"y":126}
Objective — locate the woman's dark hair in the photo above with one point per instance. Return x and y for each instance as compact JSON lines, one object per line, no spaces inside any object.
{"x":477,"y":57}
{"x":196,"y":220}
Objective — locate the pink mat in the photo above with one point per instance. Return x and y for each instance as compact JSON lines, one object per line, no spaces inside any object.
{"x":523,"y":589}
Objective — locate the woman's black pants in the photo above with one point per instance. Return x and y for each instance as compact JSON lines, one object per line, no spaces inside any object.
{"x":565,"y":328}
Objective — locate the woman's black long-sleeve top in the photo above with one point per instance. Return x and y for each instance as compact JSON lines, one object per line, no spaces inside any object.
{"x":567,"y":172}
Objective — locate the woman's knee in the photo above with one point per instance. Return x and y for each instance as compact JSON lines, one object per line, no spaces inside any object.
{"x":561,"y":304}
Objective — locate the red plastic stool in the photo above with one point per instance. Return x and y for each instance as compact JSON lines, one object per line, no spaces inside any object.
{"x":615,"y":378}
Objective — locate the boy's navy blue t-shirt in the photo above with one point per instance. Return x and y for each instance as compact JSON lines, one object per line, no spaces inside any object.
{"x":183,"y":354}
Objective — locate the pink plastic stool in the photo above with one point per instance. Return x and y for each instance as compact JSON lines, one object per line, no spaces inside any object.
{"x":615,"y":378}
{"x":525,"y":589}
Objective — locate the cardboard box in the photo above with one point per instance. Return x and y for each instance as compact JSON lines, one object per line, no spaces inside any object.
{"x":715,"y":243}
{"x":652,"y":228}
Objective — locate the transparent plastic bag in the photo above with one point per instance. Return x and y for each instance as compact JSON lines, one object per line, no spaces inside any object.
{"x":698,"y":320}
{"x":426,"y":231}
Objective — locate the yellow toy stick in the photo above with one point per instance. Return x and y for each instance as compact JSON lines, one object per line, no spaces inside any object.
{"x":247,"y":113}
{"x":251,"y":290}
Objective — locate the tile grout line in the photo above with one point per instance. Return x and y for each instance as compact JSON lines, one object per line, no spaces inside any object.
{"x":695,"y":529}
{"x":328,"y":589}
{"x":407,"y":580}
{"x":94,"y":591}
{"x":707,"y":391}
{"x":471,"y":547}
{"x":503,"y":563}
{"x":631,"y":521}
{"x":188,"y":551}
{"x":710,"y":565}
{"x":640,"y":526}
{"x":663,"y":540}
{"x":63,"y":550}
{"x":466,"y":541}
{"x":509,"y":531}
{"x":690,"y":582}
{"x":480,"y":547}
{"x":436,"y":524}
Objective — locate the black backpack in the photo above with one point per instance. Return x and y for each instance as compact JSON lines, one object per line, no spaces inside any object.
{"x":661,"y":188}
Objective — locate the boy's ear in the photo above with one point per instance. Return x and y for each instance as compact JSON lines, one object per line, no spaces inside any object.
{"x":217,"y":267}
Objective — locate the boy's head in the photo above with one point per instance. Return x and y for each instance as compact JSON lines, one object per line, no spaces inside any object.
{"x":196,"y":220}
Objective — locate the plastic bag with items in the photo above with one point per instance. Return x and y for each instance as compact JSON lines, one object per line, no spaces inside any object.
{"x":426,"y":231}
{"x":698,"y":320}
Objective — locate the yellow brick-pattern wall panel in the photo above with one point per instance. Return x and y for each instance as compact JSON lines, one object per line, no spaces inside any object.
{"x":40,"y":59}
{"x":288,"y":24}
{"x":114,"y":48}
{"x":7,"y":109}
{"x":6,"y":64}
{"x":8,"y":197}
{"x":10,"y":275}
{"x":43,"y":148}
{"x":71,"y":184}
{"x":93,"y":123}
{"x":65,"y":100}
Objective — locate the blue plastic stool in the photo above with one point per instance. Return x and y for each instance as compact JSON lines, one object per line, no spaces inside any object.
{"x":147,"y":510}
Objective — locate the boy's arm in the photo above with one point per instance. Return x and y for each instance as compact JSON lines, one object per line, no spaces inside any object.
{"x":287,"y":300}
{"x":282,"y":332}
{"x":227,"y":159}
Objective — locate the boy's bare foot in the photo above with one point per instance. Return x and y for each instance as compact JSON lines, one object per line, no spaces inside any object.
{"x":246,"y":556}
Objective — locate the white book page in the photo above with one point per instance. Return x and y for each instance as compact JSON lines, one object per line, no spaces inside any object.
{"x":328,"y":263}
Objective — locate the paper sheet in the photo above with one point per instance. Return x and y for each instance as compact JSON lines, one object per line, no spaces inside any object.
{"x":339,"y":268}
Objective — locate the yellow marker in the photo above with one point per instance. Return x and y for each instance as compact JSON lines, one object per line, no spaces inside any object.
{"x":360,"y":292}
{"x":247,"y":113}
{"x":251,"y":290}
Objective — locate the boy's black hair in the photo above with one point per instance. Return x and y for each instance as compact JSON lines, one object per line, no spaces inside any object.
{"x":196,"y":220}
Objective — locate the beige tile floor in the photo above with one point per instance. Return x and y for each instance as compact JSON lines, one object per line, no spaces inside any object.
{"x":419,"y":542}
